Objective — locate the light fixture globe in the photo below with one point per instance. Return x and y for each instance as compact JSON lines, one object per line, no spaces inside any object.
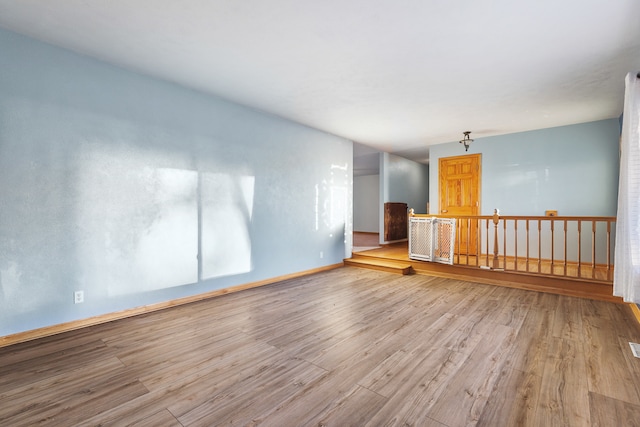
{"x":466,"y":141}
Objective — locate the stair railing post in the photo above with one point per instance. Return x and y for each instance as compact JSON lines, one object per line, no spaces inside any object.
{"x":496,"y":220}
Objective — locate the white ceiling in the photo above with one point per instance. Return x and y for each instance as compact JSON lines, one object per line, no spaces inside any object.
{"x":396,"y":75}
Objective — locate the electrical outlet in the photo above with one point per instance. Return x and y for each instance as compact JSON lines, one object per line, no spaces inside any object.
{"x":78,"y":297}
{"x":321,"y":254}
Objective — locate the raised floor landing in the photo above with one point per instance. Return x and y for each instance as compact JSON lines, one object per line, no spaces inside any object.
{"x":395,"y":258}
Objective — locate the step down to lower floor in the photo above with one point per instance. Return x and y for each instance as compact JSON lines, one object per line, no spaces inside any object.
{"x":381,"y":265}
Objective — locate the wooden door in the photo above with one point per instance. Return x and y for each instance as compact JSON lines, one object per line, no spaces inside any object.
{"x":460,"y":195}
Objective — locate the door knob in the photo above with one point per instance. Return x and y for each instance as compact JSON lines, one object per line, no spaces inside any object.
{"x":444,"y":211}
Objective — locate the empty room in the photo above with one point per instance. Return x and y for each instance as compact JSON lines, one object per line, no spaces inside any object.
{"x":408,"y":213}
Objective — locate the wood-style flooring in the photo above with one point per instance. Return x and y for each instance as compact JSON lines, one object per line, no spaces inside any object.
{"x":347,"y":347}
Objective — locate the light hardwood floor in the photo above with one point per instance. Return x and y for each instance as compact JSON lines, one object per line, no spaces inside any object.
{"x":344,"y":347}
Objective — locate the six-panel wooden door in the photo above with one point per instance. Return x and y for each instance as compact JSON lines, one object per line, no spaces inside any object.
{"x":460,"y":195}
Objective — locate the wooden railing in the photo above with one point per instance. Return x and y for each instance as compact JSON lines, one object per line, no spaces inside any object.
{"x":567,"y":246}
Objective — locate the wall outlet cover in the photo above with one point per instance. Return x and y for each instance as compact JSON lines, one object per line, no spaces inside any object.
{"x":78,"y":297}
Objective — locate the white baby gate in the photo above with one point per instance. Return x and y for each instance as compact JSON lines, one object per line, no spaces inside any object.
{"x":432,"y":239}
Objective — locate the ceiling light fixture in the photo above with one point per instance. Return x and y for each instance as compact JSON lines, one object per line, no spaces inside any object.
{"x":466,"y":141}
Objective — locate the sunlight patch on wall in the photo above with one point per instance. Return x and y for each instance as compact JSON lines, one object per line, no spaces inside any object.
{"x":137,"y":223}
{"x":227,"y":208}
{"x":141,"y":226}
{"x":339,"y":197}
{"x":337,"y":208}
{"x":165,"y":253}
{"x":10,"y":285}
{"x":332,"y":205}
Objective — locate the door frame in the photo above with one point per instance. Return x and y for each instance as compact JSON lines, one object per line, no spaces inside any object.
{"x":475,"y":245}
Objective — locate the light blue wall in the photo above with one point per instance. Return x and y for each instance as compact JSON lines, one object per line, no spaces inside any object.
{"x":403,"y":181}
{"x":572,"y":169}
{"x":112,"y":183}
{"x":366,"y":202}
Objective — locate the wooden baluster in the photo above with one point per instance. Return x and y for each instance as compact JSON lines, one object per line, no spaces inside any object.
{"x":515,"y":226}
{"x":552,"y":223}
{"x":468,"y":238}
{"x":458,"y":238}
{"x":496,"y":219}
{"x":527,"y":227}
{"x":579,"y":248}
{"x":593,"y":249}
{"x":459,"y":233}
{"x":565,"y":247}
{"x":539,"y":246}
{"x":478,"y":241}
{"x":609,"y":250}
{"x":504,"y":244}
{"x":487,"y":244}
